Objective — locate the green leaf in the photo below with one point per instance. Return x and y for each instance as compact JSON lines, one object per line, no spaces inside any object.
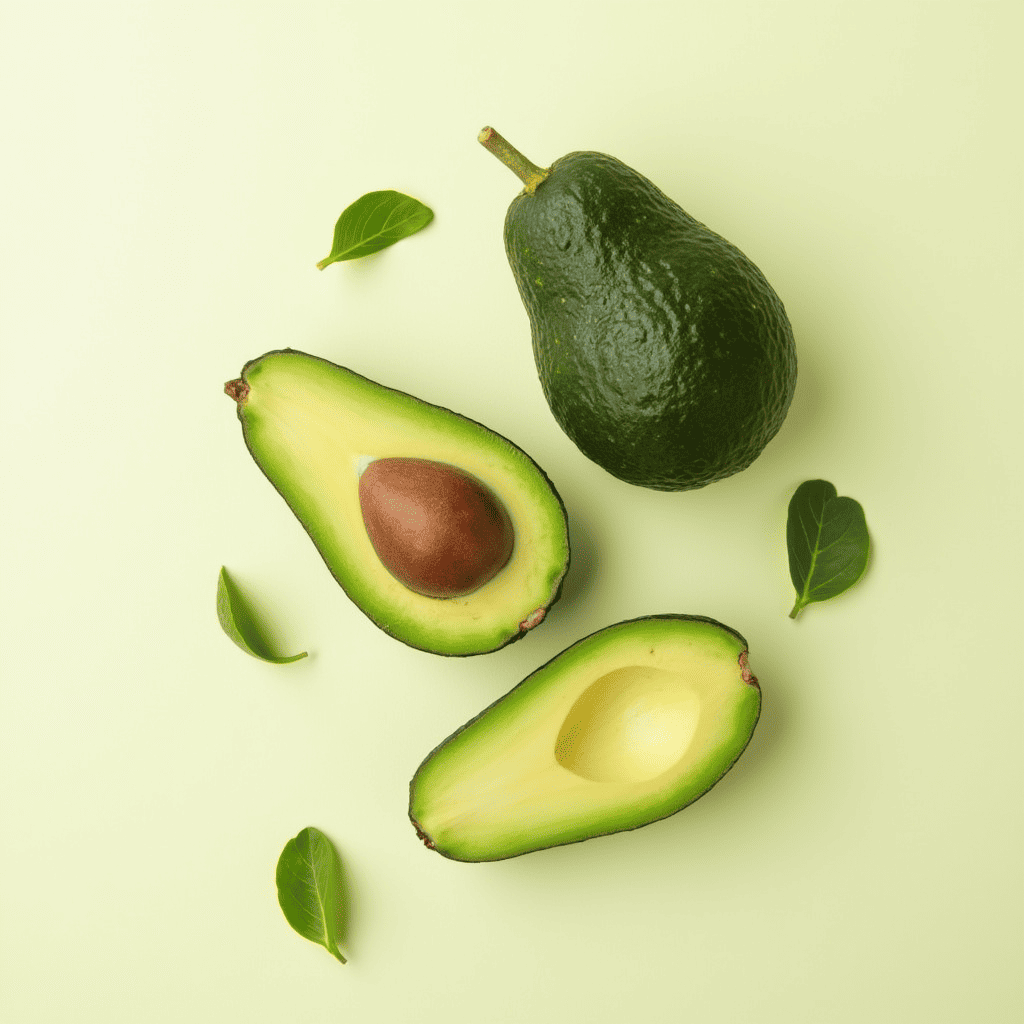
{"x":309,"y":888}
{"x":375,"y":221}
{"x":828,"y":543}
{"x":238,"y":620}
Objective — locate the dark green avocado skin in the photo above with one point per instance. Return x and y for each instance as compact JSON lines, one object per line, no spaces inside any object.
{"x":663,"y":352}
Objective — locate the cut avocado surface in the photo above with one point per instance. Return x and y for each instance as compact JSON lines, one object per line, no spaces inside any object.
{"x":314,"y":427}
{"x":627,"y":726}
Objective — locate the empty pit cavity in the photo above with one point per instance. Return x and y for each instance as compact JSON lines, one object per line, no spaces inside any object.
{"x":631,"y":725}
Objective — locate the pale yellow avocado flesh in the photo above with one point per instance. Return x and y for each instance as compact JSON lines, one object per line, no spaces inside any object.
{"x":629,"y":725}
{"x":312,"y":427}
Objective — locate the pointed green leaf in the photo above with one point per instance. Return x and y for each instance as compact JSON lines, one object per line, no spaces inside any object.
{"x":309,"y":888}
{"x":239,"y":622}
{"x":828,"y":543}
{"x":375,"y":221}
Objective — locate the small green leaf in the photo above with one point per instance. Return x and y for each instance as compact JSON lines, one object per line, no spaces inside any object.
{"x":375,"y":221}
{"x":309,"y":888}
{"x":828,"y":543}
{"x":239,"y":622}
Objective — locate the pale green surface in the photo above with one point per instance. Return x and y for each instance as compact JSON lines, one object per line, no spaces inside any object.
{"x":171,"y":173}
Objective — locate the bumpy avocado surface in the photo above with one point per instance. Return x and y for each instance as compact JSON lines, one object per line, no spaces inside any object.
{"x":314,"y":427}
{"x":663,"y":352}
{"x":627,"y":726}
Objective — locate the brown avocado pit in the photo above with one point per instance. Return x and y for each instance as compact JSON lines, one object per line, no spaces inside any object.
{"x":436,"y":528}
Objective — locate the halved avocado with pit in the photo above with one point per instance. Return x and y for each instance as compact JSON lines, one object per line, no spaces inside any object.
{"x":627,"y":726}
{"x":314,"y":427}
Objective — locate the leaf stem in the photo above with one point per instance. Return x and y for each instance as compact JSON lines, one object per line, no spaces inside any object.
{"x":528,"y":172}
{"x":796,"y":609}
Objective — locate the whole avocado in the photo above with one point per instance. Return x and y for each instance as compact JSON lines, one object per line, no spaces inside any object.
{"x":663,"y":352}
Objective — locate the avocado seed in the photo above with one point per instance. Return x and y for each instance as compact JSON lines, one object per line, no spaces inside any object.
{"x":436,"y":528}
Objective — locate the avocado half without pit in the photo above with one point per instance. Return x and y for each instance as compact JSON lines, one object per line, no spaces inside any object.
{"x":446,"y":534}
{"x":627,"y":726}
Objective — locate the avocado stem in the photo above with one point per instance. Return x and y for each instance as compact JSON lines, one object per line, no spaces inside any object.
{"x":237,"y":389}
{"x":528,"y":172}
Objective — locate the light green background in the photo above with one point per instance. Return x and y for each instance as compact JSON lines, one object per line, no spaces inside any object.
{"x":172,"y":173}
